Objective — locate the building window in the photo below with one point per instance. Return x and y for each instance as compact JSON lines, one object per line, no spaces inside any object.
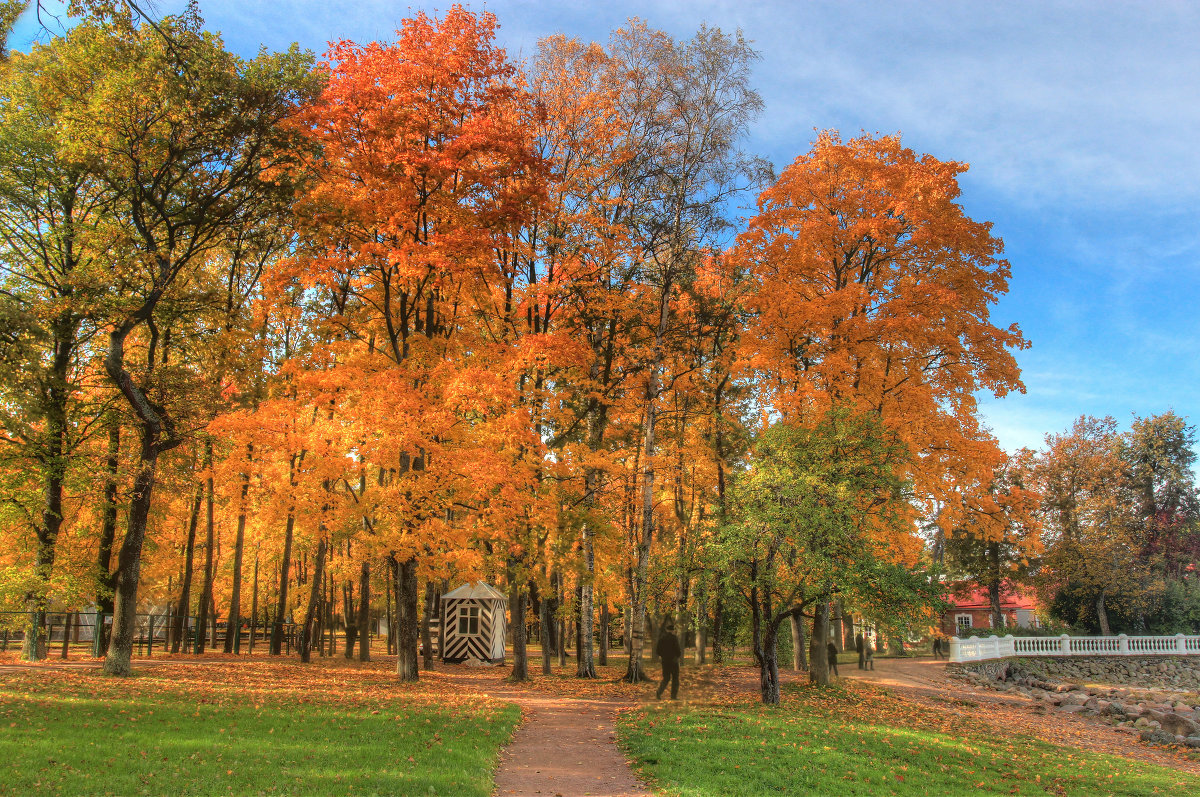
{"x":962,"y":622}
{"x":468,"y":620}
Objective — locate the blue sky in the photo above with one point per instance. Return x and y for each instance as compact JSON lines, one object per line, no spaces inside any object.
{"x":1081,"y":122}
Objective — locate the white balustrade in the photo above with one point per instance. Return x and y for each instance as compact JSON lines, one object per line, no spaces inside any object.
{"x":993,"y":647}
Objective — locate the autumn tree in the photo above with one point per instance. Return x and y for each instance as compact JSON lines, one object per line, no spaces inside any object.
{"x":51,"y":209}
{"x":414,"y":192}
{"x":177,"y":178}
{"x":995,"y":537}
{"x":1119,"y":516}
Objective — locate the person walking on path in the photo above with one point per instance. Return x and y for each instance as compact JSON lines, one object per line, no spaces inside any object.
{"x":937,"y":647}
{"x":858,"y":646}
{"x":831,"y":653}
{"x":869,"y":654}
{"x":668,"y":650}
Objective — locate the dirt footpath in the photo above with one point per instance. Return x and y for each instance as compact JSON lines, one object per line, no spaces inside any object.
{"x":565,"y":747}
{"x":926,"y":681}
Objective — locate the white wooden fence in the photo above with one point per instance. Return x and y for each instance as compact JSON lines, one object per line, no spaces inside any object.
{"x":982,"y":648}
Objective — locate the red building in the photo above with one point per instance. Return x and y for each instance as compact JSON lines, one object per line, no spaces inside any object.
{"x":970,"y":607}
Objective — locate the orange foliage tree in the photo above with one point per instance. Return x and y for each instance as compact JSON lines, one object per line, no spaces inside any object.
{"x":872,"y":291}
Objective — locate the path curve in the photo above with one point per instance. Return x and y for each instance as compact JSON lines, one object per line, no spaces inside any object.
{"x":565,"y":747}
{"x":928,"y":682}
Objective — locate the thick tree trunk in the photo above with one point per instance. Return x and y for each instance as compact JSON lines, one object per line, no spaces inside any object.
{"x":769,"y":664}
{"x":799,"y":662}
{"x":407,"y":620}
{"x":364,"y":612}
{"x":129,"y":560}
{"x":818,"y":671}
{"x":281,"y":604}
{"x":314,"y":603}
{"x":185,"y":592}
{"x":233,"y":638}
{"x":516,"y":613}
{"x":1102,"y":613}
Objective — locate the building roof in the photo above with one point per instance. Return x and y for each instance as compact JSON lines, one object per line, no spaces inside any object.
{"x":478,"y":590}
{"x":973,"y":596}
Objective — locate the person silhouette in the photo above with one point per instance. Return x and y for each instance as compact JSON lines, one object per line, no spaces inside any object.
{"x":831,"y":653}
{"x":668,"y":651}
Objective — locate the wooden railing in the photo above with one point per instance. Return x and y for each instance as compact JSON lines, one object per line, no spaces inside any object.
{"x":984,"y":648}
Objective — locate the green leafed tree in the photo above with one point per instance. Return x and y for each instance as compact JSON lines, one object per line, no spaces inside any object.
{"x":188,"y":144}
{"x":821,"y":510}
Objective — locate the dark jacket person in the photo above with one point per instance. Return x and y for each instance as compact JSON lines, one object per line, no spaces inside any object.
{"x":668,"y":650}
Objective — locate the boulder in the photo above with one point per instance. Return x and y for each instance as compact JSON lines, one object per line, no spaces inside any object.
{"x":1157,"y":736}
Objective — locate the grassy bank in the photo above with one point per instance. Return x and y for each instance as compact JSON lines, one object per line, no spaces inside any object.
{"x":271,"y":728}
{"x":853,"y":740}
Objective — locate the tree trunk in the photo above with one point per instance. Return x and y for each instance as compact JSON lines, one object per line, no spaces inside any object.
{"x":544,"y":620}
{"x":129,"y":560}
{"x":185,"y":593}
{"x":561,"y":621}
{"x":718,"y":628}
{"x":799,"y":663}
{"x":516,"y":609}
{"x":234,"y":644}
{"x":105,"y":578}
{"x":634,"y":672}
{"x":1102,"y":613}
{"x":364,"y":612}
{"x":314,"y":603}
{"x":281,"y":603}
{"x":206,"y":595}
{"x":407,"y":620}
{"x":350,"y":613}
{"x":426,"y":630}
{"x":701,"y":615}
{"x":818,"y":671}
{"x":835,"y":627}
{"x":993,"y":585}
{"x":604,"y":621}
{"x":585,"y":666}
{"x":769,"y":664}
{"x":254,"y":604}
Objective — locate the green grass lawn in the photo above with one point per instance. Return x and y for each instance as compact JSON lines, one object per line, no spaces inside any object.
{"x":854,"y":740}
{"x":278,"y":729}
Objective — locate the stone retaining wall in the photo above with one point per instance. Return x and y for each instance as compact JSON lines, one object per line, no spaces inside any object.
{"x":1155,"y":672}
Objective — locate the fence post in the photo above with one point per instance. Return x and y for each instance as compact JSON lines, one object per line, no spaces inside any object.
{"x":1180,"y":644}
{"x":1010,"y":645}
{"x":955,"y":643}
{"x":150,"y":638}
{"x":1065,"y":645}
{"x":1123,"y":644}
